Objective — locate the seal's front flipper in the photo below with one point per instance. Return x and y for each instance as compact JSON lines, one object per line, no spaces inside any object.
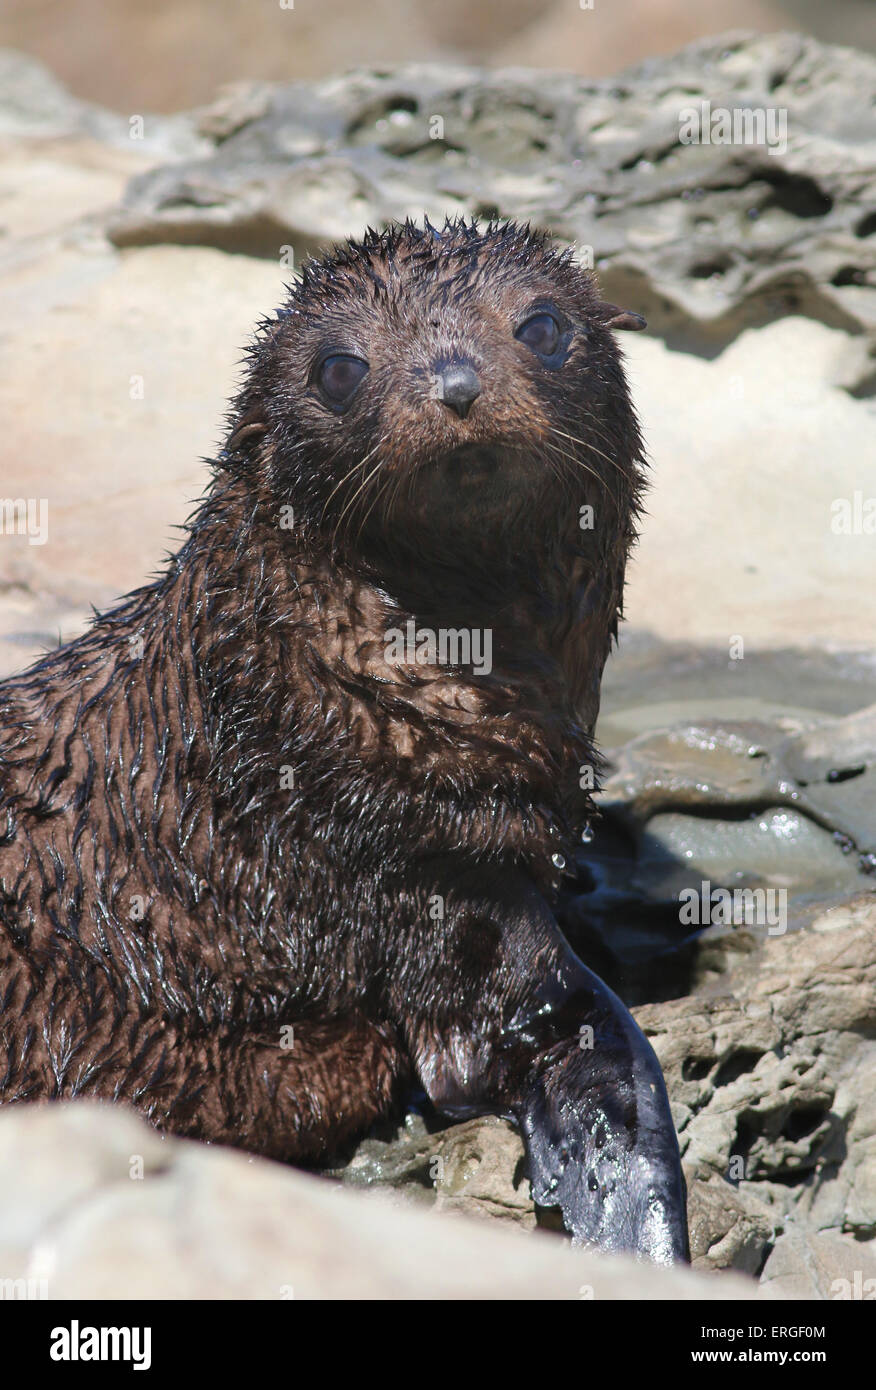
{"x":500,"y":1016}
{"x":600,"y":1140}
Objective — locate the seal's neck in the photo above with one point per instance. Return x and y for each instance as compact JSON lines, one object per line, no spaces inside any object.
{"x":530,"y":637}
{"x":308,"y":695}
{"x":280,"y":633}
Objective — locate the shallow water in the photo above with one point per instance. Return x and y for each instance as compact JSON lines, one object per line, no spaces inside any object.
{"x":648,"y":683}
{"x":716,"y":782}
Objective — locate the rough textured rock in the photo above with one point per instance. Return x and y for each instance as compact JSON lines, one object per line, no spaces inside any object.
{"x":706,"y":238}
{"x":476,"y":1167}
{"x":770,"y":1068}
{"x":729,"y":1229}
{"x":824,"y":1266}
{"x":95,"y":1204}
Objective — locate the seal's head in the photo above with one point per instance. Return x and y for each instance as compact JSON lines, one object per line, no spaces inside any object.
{"x":437,"y":389}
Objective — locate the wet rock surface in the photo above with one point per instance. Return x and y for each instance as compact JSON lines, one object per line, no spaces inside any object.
{"x":716,"y":829}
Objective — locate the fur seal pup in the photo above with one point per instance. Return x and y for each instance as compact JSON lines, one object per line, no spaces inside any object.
{"x":281,"y":834}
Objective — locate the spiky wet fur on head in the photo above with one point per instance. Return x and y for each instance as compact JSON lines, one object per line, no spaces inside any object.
{"x":231,"y":748}
{"x":408,"y":300}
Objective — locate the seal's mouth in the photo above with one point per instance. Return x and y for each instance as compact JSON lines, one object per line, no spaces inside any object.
{"x":473,"y":494}
{"x":471,"y":459}
{"x":486,"y":475}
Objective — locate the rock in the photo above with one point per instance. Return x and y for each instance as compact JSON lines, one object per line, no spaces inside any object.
{"x":769,"y":1074}
{"x":715,"y":832}
{"x":481,"y":1171}
{"x":119,"y":475}
{"x":476,"y":1168}
{"x":96,"y":1205}
{"x":729,"y":1229}
{"x":834,"y":764}
{"x":783,"y":822}
{"x":35,"y":105}
{"x":763,"y":456}
{"x":151,"y":64}
{"x":769,"y":1061}
{"x":823,"y":1266}
{"x":402,"y":1162}
{"x":640,"y":28}
{"x":705,"y":237}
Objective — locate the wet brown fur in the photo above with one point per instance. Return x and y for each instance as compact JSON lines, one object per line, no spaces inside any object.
{"x":167,"y":907}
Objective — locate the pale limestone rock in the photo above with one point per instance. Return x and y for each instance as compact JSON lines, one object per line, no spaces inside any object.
{"x":205,"y":1222}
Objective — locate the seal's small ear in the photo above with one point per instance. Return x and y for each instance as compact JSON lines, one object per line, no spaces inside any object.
{"x":613,"y":317}
{"x":245,"y":432}
{"x":248,"y":425}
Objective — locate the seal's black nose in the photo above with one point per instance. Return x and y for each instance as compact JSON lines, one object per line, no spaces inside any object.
{"x":459,"y":387}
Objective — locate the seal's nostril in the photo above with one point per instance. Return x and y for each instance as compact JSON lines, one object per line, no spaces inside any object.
{"x":459,"y":387}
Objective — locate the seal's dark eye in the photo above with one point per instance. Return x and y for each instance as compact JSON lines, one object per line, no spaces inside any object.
{"x":338,"y":376}
{"x":541,"y":333}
